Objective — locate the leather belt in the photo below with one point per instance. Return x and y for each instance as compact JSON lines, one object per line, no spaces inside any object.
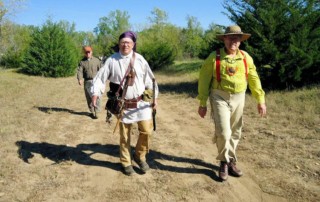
{"x":132,"y":103}
{"x":134,"y":99}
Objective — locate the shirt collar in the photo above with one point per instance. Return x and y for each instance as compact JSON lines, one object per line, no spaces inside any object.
{"x":126,"y":56}
{"x":237,"y":56}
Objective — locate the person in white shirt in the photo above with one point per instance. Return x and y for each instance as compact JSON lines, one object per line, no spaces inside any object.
{"x":114,"y":70}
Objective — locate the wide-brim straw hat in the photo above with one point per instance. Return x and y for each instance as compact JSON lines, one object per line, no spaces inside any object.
{"x":233,"y":30}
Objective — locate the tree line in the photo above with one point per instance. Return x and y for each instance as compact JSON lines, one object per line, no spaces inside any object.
{"x":285,"y":41}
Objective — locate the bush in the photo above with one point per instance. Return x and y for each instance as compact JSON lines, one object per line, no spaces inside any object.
{"x":51,"y":52}
{"x":11,"y":59}
{"x":158,"y":54}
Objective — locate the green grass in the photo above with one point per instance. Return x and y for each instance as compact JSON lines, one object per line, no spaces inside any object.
{"x":183,"y":67}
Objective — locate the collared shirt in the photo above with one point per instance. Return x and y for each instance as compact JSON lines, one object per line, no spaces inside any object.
{"x":88,"y":68}
{"x":114,"y":70}
{"x":230,"y":83}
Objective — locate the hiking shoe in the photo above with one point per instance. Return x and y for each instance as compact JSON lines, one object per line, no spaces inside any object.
{"x":233,"y":170}
{"x":129,"y":170}
{"x":223,"y":171}
{"x":144,"y":167}
{"x":95,"y":114}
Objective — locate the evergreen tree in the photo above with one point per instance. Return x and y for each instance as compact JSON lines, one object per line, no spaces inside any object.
{"x":158,"y":55}
{"x":285,"y":39}
{"x":51,"y":53}
{"x":211,"y":43}
{"x":158,"y":45}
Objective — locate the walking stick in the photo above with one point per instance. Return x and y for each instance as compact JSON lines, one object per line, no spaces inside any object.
{"x":154,"y":111}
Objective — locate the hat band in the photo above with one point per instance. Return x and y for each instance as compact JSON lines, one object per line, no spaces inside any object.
{"x":237,"y":32}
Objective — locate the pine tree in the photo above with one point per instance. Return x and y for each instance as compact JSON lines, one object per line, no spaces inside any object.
{"x":285,"y":39}
{"x":51,"y":52}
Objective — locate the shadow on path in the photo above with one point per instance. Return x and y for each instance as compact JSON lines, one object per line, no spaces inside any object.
{"x":82,"y":155}
{"x":48,"y":110}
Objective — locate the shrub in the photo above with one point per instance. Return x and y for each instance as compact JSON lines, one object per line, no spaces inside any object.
{"x":51,"y":52}
{"x":158,"y":54}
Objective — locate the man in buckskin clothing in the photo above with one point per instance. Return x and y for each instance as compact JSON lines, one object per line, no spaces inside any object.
{"x":136,"y":110}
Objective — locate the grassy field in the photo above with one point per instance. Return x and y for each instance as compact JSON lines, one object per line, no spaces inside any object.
{"x":281,"y":152}
{"x":284,"y":152}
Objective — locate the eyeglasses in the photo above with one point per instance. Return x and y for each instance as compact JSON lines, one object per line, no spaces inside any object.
{"x":125,"y":43}
{"x":88,"y":52}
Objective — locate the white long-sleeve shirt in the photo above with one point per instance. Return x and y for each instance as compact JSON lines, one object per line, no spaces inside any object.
{"x":114,"y":70}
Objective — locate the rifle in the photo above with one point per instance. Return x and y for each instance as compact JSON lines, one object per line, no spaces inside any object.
{"x":154,"y":111}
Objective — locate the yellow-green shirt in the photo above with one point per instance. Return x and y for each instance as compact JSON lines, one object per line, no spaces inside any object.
{"x":236,"y":83}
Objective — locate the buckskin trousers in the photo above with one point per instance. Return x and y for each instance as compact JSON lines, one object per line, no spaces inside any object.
{"x":142,"y":146}
{"x":227,"y":111}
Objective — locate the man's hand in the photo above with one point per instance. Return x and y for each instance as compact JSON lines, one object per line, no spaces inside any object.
{"x":202,"y":111}
{"x":155,"y":104}
{"x":80,"y":81}
{"x":262,"y":109}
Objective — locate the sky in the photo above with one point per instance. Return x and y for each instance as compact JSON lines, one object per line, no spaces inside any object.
{"x":86,"y":13}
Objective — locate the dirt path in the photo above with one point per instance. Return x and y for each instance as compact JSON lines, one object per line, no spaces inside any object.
{"x":67,"y":156}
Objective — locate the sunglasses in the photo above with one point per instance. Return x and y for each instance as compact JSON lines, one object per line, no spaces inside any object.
{"x":87,"y":52}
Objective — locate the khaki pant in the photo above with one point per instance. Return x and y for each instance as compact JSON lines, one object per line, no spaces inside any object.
{"x":142,"y":146}
{"x":227,"y":111}
{"x":87,"y":92}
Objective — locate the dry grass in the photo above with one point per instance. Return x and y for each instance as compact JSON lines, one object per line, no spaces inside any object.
{"x":285,"y":145}
{"x":280,"y":152}
{"x":283,"y":148}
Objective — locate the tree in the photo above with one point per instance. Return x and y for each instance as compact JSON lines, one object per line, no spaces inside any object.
{"x":8,"y":34}
{"x":285,"y":39}
{"x":211,"y":43}
{"x":109,"y":29}
{"x":158,"y":17}
{"x":84,"y":39}
{"x":158,"y":55}
{"x":159,"y":44}
{"x":14,"y":43}
{"x":8,"y":7}
{"x":51,"y":53}
{"x":192,"y":37}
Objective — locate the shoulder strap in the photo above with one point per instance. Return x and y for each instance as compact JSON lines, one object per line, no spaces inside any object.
{"x":245,"y":63}
{"x":218,"y":65}
{"x":125,"y":76}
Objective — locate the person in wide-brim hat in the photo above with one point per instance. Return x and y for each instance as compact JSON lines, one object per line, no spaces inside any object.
{"x":223,"y":79}
{"x":234,"y":30}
